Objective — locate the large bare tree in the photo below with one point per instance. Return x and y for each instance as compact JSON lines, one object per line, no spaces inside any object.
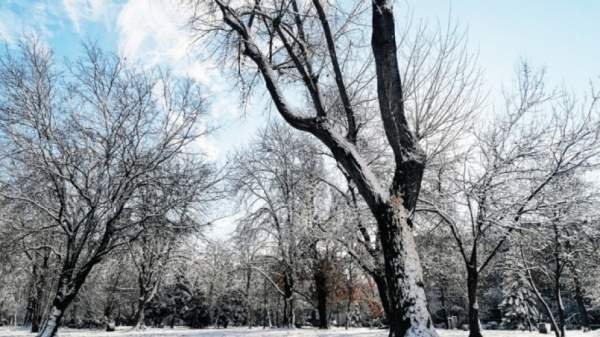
{"x":78,"y":145}
{"x":313,"y":48}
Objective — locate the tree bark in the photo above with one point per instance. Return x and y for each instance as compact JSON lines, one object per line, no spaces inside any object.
{"x":585,"y":320}
{"x":288,"y":303}
{"x":544,"y":303}
{"x":60,"y":303}
{"x":36,"y":318}
{"x":472,"y":287}
{"x":110,"y":302}
{"x":67,"y":287}
{"x":444,"y":307}
{"x":408,"y":313}
{"x":560,"y":307}
{"x":249,"y":316}
{"x":381,"y":283}
{"x":33,"y":300}
{"x":322,"y":292}
{"x":53,"y":322}
{"x":36,"y":293}
{"x":140,"y":315}
{"x":558,"y":268}
{"x":350,"y":289}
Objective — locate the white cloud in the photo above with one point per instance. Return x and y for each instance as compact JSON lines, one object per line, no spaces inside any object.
{"x":154,"y":33}
{"x":85,"y":10}
{"x":5,"y":34}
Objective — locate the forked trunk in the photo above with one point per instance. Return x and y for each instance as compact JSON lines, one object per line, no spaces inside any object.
{"x":63,"y":298}
{"x":408,"y":313}
{"x":472,"y":285}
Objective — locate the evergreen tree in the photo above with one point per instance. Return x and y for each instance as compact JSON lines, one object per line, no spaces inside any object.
{"x":519,"y":302}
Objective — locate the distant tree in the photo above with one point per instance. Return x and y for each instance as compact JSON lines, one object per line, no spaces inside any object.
{"x":277,"y":181}
{"x":557,"y":236}
{"x":161,"y":234}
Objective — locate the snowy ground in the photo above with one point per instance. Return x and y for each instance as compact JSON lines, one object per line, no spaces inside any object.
{"x":258,"y":332}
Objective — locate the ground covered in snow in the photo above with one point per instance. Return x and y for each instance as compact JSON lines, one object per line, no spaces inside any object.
{"x":259,"y":332}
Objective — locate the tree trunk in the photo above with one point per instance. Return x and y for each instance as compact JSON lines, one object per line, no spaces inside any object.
{"x":266,"y":312}
{"x":322,"y":292}
{"x":67,"y":289}
{"x":381,"y":283}
{"x":288,"y":303}
{"x":140,"y":315}
{"x":292,"y":314}
{"x":585,"y":320}
{"x":36,"y":319}
{"x":285,"y":319}
{"x":350,"y":289}
{"x":558,"y":268}
{"x":249,"y":318}
{"x":444,"y":307}
{"x":53,"y":322}
{"x":59,"y":305}
{"x":408,"y":313}
{"x":32,"y":300}
{"x":560,"y":308}
{"x":544,"y":303}
{"x":110,"y":303}
{"x":472,"y":285}
{"x":323,"y":312}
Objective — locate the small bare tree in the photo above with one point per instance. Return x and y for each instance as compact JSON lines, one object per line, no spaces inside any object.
{"x":541,"y":137}
{"x":276,"y":181}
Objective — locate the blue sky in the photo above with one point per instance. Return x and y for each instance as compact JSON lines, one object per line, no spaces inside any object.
{"x":562,"y":35}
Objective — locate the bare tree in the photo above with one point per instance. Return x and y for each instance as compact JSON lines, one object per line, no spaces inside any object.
{"x":87,"y":138}
{"x":312,"y":45}
{"x":276,"y":181}
{"x":542,"y":137}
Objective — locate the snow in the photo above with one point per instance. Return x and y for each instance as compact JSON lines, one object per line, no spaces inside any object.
{"x":259,"y":332}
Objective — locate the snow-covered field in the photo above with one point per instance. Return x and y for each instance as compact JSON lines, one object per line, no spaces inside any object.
{"x":258,"y":332}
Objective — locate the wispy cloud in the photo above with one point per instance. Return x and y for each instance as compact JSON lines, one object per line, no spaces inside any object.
{"x":85,"y":10}
{"x":43,"y":19}
{"x":154,"y":33}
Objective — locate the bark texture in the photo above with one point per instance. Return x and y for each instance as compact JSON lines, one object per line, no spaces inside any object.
{"x":322,"y":292}
{"x":408,"y":313}
{"x":584,"y":317}
{"x":472,"y":287}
